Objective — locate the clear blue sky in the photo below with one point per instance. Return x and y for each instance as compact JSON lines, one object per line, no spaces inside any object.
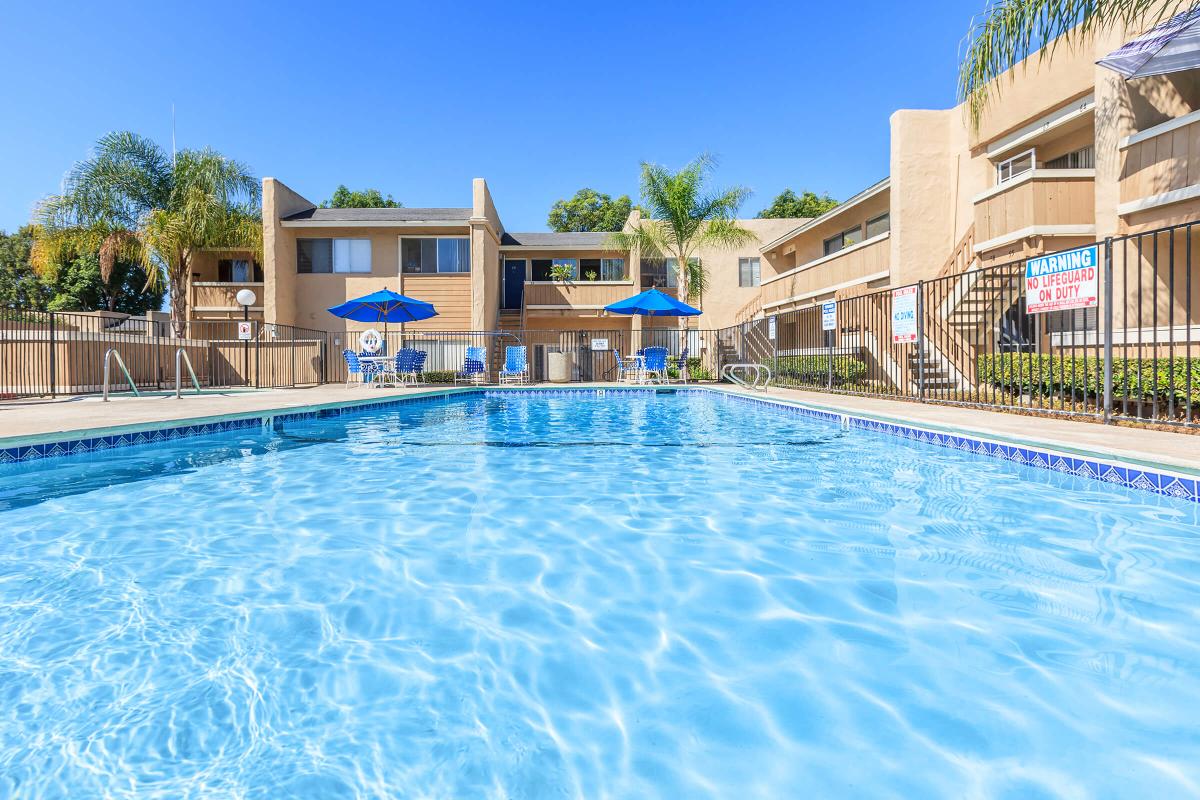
{"x":418,"y":98}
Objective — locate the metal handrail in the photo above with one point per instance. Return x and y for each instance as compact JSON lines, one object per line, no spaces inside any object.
{"x":108,"y":354}
{"x":759,"y":383}
{"x":181,"y":355}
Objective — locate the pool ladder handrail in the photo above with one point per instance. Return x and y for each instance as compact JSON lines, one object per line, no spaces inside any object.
{"x":108,"y":356}
{"x":760,"y":381}
{"x":181,"y":357}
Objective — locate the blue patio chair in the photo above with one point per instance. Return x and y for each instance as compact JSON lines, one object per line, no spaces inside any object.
{"x":516,"y":365}
{"x":406,"y":365}
{"x":681,"y":365}
{"x":628,"y":370}
{"x":474,"y":369}
{"x":418,"y":366}
{"x":656,"y":363}
{"x":365,"y":372}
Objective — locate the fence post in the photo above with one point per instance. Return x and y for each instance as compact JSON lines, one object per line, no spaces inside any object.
{"x":920,"y":340}
{"x":1108,"y":331}
{"x":257,"y":360}
{"x":157,"y":345}
{"x":829,"y":338}
{"x":53,"y":366}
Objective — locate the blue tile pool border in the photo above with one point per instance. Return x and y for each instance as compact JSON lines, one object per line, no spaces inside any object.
{"x":1159,"y":480}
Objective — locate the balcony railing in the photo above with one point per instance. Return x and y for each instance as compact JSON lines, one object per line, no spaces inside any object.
{"x":576,"y":294}
{"x":860,"y":263}
{"x":222,"y":296}
{"x":1045,"y":202}
{"x":1161,"y":165}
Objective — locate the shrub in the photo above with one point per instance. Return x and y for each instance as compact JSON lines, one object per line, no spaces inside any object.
{"x":815,"y":369}
{"x":1047,"y":375}
{"x":696,"y":372}
{"x":439,"y":376}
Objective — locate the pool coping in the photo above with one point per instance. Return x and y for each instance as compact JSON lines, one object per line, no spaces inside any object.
{"x":1112,"y":467}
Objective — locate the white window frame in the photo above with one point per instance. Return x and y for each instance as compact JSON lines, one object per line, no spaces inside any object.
{"x":755,"y":272}
{"x":354,"y":254}
{"x":437,"y":267}
{"x":1000,"y":167}
{"x":609,"y":262}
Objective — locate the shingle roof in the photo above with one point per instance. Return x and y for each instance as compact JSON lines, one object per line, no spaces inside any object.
{"x":590,"y":241}
{"x":380,"y":215}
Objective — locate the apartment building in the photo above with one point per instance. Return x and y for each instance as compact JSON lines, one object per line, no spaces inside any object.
{"x":1067,"y":153}
{"x":479,"y":275}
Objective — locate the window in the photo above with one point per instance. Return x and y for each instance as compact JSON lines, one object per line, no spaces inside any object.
{"x":602,"y":269}
{"x":843,"y":240}
{"x":612,"y":269}
{"x":314,"y":255}
{"x":238,"y":270}
{"x":541,"y":268}
{"x":431,"y":255}
{"x":351,"y":255}
{"x":1017,"y":165}
{"x":571,"y":264}
{"x":1083,"y":158}
{"x":880,"y":225}
{"x":748,"y":272}
{"x":333,"y":255}
{"x":654,"y":272}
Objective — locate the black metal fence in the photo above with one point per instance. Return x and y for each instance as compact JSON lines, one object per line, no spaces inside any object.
{"x":49,"y":354}
{"x":1133,"y":353}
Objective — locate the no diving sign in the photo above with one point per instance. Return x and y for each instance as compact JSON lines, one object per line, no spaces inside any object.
{"x":1062,"y":281}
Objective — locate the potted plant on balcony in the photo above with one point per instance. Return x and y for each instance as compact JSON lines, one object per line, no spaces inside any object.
{"x":561,"y":271}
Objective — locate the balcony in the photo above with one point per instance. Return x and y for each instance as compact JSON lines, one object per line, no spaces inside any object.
{"x":1161,"y":165}
{"x":860,"y":263}
{"x":1041,"y":202}
{"x":220,"y":298}
{"x":581,"y":295}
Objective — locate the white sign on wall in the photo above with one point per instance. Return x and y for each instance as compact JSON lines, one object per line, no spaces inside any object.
{"x":829,"y":316}
{"x":771,"y":327}
{"x":600,"y":344}
{"x":245,"y":330}
{"x":1062,"y":281}
{"x":904,"y":315}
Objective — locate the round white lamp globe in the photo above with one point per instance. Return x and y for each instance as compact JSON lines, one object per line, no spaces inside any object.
{"x":245,"y":297}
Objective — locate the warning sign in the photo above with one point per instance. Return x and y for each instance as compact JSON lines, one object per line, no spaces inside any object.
{"x":1063,"y":281}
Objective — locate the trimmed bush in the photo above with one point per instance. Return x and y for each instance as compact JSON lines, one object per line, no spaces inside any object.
{"x":815,"y":369}
{"x":439,"y":376}
{"x":1048,"y":375}
{"x":695,"y":371}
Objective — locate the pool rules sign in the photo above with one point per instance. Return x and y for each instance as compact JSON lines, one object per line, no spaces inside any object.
{"x":1062,"y":281}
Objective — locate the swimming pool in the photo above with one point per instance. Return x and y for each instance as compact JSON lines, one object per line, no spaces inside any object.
{"x":629,"y":595}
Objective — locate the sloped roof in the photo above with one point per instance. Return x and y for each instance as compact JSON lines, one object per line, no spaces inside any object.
{"x":380,"y":215}
{"x":578,"y":240}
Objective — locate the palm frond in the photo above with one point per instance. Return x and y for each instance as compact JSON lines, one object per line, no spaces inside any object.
{"x":1011,"y":30}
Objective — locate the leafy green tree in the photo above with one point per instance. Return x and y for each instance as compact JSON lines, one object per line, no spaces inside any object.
{"x":79,"y":287}
{"x":20,"y":286}
{"x":589,"y":210}
{"x":75,"y":286}
{"x":787,"y":205}
{"x":366,"y":198}
{"x":681,"y":215}
{"x":131,"y":202}
{"x":1010,"y":30}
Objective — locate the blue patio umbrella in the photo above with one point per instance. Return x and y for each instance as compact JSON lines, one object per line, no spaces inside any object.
{"x":384,"y":306}
{"x":653,"y":303}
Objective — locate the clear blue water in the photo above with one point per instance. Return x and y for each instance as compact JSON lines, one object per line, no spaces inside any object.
{"x":651,"y":597}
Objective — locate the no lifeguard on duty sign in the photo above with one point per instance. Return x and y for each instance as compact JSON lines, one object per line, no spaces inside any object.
{"x":1062,"y":281}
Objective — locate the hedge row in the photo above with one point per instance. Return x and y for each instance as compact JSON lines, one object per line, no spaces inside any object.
{"x":1133,"y":378}
{"x":815,"y":369}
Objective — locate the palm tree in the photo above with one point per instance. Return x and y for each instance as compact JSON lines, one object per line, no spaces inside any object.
{"x":131,"y":201}
{"x":683,"y":216}
{"x":1012,"y":29}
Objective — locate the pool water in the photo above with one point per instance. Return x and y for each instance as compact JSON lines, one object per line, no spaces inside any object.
{"x":683,"y":596}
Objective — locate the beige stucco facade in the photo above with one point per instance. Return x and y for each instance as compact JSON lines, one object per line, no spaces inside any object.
{"x":1067,"y":153}
{"x":1108,"y":157}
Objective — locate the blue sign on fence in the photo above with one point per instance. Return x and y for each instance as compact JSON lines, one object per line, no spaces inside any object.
{"x":829,"y":316}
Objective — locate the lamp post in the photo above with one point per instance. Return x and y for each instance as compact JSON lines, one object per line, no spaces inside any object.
{"x":245,"y":299}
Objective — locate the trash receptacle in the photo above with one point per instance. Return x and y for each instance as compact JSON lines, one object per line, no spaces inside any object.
{"x":558,"y":368}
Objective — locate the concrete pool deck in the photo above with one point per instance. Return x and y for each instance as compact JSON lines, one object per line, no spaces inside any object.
{"x":23,"y":422}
